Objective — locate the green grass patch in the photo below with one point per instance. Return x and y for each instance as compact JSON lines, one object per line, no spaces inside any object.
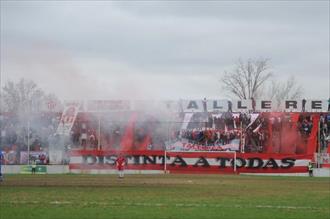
{"x":163,"y":196}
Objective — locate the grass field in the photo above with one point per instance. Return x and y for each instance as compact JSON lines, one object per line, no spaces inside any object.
{"x":163,"y":196}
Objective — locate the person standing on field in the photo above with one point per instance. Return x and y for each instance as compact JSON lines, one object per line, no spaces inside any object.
{"x":310,"y":169}
{"x":33,"y":167}
{"x":1,"y":161}
{"x":120,"y":164}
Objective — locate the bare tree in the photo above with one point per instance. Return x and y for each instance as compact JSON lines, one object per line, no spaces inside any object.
{"x":247,"y":79}
{"x":23,"y":96}
{"x":287,"y":90}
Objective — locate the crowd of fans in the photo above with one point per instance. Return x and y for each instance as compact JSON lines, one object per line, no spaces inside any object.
{"x":219,"y":129}
{"x":83,"y":134}
{"x":305,"y":125}
{"x":210,"y":137}
{"x":324,"y":132}
{"x":17,"y":132}
{"x":254,"y":132}
{"x":92,"y":132}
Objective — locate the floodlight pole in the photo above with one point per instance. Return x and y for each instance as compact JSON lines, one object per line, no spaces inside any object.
{"x":318,"y":145}
{"x":165,"y":152}
{"x":28,"y":123}
{"x":235,"y":161}
{"x":242,"y":143}
{"x":165,"y":161}
{"x":28,"y":140}
{"x":99,"y":134}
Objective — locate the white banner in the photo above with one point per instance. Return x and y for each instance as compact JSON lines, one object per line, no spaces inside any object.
{"x":55,"y":156}
{"x":39,"y":156}
{"x":202,"y":105}
{"x":186,"y":146}
{"x":323,"y":158}
{"x":186,"y":120}
{"x":68,"y":117}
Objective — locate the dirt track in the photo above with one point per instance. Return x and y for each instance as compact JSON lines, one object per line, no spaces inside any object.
{"x":147,"y":180}
{"x":111,"y":180}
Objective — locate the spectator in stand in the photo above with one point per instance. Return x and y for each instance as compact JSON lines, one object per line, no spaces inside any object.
{"x":116,"y":136}
{"x":253,"y":104}
{"x":83,"y":136}
{"x":237,"y":122}
{"x":210,"y":121}
{"x":204,"y":104}
{"x":42,"y":158}
{"x":305,"y":127}
{"x":230,"y":106}
{"x":303,"y":105}
{"x":84,"y":140}
{"x":75,"y":135}
{"x":92,"y":138}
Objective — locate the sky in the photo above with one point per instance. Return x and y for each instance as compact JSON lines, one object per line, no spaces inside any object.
{"x":161,"y":49}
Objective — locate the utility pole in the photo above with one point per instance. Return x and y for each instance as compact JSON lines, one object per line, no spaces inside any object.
{"x":99,"y":134}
